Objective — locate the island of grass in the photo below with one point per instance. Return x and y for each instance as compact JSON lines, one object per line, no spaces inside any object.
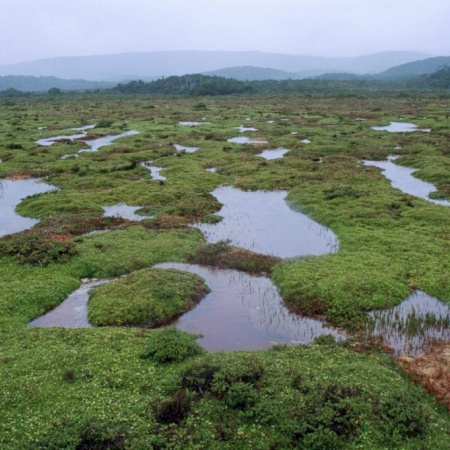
{"x":147,"y":297}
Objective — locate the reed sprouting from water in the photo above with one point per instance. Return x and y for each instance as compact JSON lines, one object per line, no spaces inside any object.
{"x":412,"y":326}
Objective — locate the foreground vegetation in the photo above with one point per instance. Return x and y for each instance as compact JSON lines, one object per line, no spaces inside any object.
{"x":138,"y":388}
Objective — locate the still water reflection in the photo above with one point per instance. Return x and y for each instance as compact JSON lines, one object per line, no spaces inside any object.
{"x":244,"y":312}
{"x":262,"y":222}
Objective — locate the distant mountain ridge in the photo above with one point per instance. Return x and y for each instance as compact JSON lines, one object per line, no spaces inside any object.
{"x":41,"y":84}
{"x":415,"y":68}
{"x":252,"y":73}
{"x":129,"y":66}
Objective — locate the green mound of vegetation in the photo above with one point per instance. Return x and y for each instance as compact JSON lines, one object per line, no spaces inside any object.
{"x":36,"y":249}
{"x":148,"y":297}
{"x":169,"y":345}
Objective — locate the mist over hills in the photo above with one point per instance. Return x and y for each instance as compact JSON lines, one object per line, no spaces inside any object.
{"x":415,"y":68}
{"x":39,"y":84}
{"x":129,"y":66}
{"x":252,"y":73}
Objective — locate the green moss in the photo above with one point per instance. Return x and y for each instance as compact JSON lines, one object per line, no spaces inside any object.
{"x":122,"y":251}
{"x":288,"y":397}
{"x":148,"y":297}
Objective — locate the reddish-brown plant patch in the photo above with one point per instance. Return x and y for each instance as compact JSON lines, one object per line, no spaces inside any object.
{"x":432,"y":370}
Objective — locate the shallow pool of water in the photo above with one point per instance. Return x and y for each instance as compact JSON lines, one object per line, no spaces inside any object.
{"x":246,"y":140}
{"x":263,"y":222}
{"x":412,"y":326}
{"x":95,"y":144}
{"x":211,"y":169}
{"x":243,"y":312}
{"x":305,"y":141}
{"x":273,"y":154}
{"x":123,"y":211}
{"x":193,"y":124}
{"x":181,"y":148}
{"x":401,"y":127}
{"x":72,"y":312}
{"x":154,"y":171}
{"x":401,"y":178}
{"x":11,"y":194}
{"x":47,"y":142}
{"x":243,"y":128}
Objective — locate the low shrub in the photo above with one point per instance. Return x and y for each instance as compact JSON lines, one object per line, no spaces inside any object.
{"x":36,"y":249}
{"x":172,"y":345}
{"x":199,"y":377}
{"x":104,"y":123}
{"x":225,"y":256}
{"x":173,"y":410}
{"x":91,"y":434}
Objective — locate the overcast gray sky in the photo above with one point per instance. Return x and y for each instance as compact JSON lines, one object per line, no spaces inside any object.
{"x":34,"y":29}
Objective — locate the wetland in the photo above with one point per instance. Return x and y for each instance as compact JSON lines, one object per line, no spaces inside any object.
{"x":251,"y":252}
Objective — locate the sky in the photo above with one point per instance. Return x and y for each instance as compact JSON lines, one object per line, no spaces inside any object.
{"x":35,"y":29}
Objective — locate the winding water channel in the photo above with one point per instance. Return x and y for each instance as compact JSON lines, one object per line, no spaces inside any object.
{"x":72,"y":312}
{"x":402,"y":178}
{"x":93,"y":144}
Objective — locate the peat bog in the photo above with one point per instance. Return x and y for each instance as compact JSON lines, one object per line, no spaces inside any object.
{"x":119,"y":382}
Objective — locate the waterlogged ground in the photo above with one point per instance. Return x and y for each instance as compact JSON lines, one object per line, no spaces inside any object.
{"x":58,"y":386}
{"x":412,"y":327}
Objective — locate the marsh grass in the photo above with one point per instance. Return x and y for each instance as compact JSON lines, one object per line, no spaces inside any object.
{"x":224,"y":256}
{"x":320,"y":396}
